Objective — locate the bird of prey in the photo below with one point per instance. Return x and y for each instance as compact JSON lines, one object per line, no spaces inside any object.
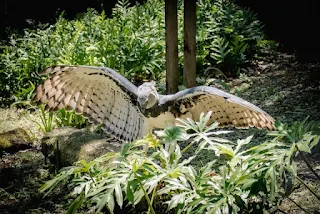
{"x":128,"y":112}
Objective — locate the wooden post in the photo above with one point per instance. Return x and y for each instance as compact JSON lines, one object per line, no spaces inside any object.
{"x":171,"y":19}
{"x":189,"y":71}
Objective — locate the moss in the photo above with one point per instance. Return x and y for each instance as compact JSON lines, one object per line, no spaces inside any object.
{"x":14,"y":118}
{"x":4,"y":143}
{"x":16,"y":136}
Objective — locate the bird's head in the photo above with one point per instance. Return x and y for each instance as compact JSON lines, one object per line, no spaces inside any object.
{"x":147,"y":95}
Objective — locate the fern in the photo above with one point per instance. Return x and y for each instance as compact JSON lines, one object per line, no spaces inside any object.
{"x":220,"y":50}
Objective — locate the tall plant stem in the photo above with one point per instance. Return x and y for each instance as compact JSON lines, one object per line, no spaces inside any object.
{"x":152,"y":198}
{"x":147,"y":198}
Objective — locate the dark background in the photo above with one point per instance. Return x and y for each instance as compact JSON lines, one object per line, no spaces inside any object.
{"x":293,"y":24}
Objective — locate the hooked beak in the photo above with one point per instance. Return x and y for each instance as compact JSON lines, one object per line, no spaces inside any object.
{"x":142,"y":104}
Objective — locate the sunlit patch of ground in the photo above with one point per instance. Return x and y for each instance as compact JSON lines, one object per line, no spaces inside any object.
{"x":290,"y":92}
{"x":302,"y":196}
{"x":14,"y":118}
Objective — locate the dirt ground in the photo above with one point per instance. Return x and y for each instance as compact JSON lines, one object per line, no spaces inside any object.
{"x":283,"y":87}
{"x":289,"y":91}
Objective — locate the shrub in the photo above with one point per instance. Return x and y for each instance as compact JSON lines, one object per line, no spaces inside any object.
{"x":132,"y":41}
{"x":70,"y":118}
{"x":61,"y":118}
{"x":236,"y":180}
{"x":227,"y":35}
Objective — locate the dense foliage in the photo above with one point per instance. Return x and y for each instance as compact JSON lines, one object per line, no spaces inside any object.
{"x":61,"y":118}
{"x":238,"y":179}
{"x":132,"y":41}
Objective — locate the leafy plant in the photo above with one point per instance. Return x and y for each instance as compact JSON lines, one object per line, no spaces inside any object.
{"x":61,"y":118}
{"x":298,"y":133}
{"x":236,"y":180}
{"x":229,"y":34}
{"x":70,"y":118}
{"x":131,"y":41}
{"x":297,"y":130}
{"x":47,"y":122}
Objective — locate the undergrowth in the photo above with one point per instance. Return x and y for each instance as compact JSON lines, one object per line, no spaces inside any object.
{"x":159,"y":178}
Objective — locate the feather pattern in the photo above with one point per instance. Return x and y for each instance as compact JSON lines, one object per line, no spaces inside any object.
{"x":105,"y":97}
{"x":227,"y":109}
{"x":100,"y":94}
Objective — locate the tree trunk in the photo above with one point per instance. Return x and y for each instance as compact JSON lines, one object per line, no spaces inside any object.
{"x":171,"y":18}
{"x":189,"y":71}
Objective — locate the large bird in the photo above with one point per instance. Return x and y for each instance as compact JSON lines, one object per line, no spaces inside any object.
{"x":128,"y":112}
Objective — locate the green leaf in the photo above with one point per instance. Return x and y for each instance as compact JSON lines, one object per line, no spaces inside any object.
{"x":315,"y":141}
{"x":272,"y":182}
{"x":51,"y":184}
{"x":138,"y":195}
{"x":118,"y":194}
{"x":110,"y":202}
{"x":130,"y":195}
{"x":106,"y":200}
{"x":242,"y":142}
{"x":76,"y":204}
{"x":226,"y":151}
{"x":175,"y":200}
{"x":303,"y":147}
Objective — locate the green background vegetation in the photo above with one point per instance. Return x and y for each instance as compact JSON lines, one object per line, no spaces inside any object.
{"x":236,"y":177}
{"x":132,"y":41}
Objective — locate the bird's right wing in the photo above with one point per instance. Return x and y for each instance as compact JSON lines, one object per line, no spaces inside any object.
{"x":227,"y":109}
{"x":99,"y":94}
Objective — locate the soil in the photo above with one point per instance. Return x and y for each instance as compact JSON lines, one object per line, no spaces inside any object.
{"x":285,"y":88}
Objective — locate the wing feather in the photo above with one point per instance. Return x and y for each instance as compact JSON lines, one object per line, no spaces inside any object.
{"x":100,"y":94}
{"x":227,"y":109}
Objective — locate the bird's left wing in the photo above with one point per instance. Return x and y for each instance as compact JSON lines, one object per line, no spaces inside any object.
{"x":227,"y":109}
{"x":100,"y":94}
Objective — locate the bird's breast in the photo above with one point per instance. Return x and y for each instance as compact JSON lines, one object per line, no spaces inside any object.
{"x":162,"y":121}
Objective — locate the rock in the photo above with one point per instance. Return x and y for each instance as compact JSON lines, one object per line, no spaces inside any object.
{"x":77,"y":144}
{"x":15,"y":140}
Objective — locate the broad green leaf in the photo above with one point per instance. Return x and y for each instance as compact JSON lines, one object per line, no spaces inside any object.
{"x":241,"y":143}
{"x":226,"y":151}
{"x":303,"y":147}
{"x":98,"y":190}
{"x":272,"y":182}
{"x":315,"y":141}
{"x":76,"y":204}
{"x":118,"y":194}
{"x":103,"y":201}
{"x":175,"y":200}
{"x":129,"y":194}
{"x":138,"y":195}
{"x":110,"y":202}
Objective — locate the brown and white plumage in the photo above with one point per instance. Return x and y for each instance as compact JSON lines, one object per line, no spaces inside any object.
{"x":126,"y":111}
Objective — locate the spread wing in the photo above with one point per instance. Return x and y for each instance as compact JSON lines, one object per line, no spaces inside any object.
{"x":227,"y":109}
{"x":99,"y":94}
